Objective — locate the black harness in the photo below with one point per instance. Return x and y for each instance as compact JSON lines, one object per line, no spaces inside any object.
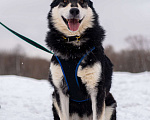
{"x":70,"y":68}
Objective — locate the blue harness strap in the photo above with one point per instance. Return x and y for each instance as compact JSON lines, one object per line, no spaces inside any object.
{"x":70,"y":68}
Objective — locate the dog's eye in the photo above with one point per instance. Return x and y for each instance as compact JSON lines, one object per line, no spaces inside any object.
{"x":65,"y":1}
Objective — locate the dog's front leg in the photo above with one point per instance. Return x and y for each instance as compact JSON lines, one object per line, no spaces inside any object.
{"x":98,"y":112}
{"x":57,"y":77}
{"x":94,"y":105}
{"x":90,"y":76}
{"x":102,"y":115}
{"x":64,"y":102}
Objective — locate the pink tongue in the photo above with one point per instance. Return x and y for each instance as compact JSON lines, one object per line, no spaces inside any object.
{"x":73,"y":24}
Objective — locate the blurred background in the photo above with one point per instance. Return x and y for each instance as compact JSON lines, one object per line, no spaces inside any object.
{"x":127,"y":42}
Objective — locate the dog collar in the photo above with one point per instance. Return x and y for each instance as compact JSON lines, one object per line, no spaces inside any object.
{"x":72,"y":38}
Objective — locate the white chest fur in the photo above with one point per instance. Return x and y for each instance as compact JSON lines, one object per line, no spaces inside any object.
{"x":57,"y":74}
{"x":90,"y":75}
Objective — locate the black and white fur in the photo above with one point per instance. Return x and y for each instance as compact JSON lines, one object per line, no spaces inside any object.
{"x":95,"y":70}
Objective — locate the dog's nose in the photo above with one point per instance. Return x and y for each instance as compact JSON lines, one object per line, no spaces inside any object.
{"x":74,"y":11}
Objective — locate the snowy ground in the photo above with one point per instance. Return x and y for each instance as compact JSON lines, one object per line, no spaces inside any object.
{"x":28,"y":99}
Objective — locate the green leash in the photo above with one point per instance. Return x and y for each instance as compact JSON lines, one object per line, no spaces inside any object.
{"x":37,"y":45}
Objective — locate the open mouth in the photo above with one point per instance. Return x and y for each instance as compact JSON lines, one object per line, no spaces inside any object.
{"x":73,"y":24}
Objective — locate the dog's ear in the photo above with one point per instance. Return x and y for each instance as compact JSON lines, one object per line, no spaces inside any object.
{"x":90,"y":3}
{"x":54,"y":3}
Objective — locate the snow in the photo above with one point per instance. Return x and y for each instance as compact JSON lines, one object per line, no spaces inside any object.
{"x":24,"y":98}
{"x":132,"y":94}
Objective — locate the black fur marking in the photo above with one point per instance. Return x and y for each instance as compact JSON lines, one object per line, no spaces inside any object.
{"x":84,"y":108}
{"x":63,"y":3}
{"x":73,"y":3}
{"x":55,"y":3}
{"x":110,"y":100}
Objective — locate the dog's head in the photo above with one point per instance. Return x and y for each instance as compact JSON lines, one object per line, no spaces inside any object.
{"x":71,"y":17}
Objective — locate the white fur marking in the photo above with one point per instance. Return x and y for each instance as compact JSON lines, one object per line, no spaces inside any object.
{"x":57,"y":74}
{"x":75,"y":117}
{"x":87,"y":117}
{"x":108,"y":112}
{"x":90,"y":75}
{"x":94,"y":106}
{"x":64,"y":101}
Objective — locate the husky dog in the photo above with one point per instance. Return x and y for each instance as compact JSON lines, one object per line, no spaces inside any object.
{"x":80,"y":72}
